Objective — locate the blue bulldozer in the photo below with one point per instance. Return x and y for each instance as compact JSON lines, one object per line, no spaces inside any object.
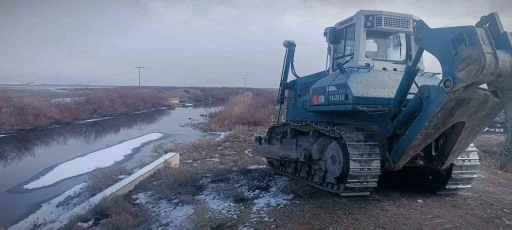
{"x":375,"y":110}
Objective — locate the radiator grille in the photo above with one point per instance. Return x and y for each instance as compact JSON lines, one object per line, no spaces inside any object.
{"x":393,"y":22}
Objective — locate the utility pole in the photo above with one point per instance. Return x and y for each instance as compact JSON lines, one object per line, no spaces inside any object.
{"x":139,"y":67}
{"x":245,"y":82}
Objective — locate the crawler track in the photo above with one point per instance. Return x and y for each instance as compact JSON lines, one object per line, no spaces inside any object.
{"x":464,"y":171}
{"x":364,"y":155}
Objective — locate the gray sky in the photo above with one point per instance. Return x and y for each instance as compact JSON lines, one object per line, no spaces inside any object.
{"x":189,"y":43}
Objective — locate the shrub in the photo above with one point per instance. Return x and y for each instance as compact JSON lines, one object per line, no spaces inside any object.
{"x":103,"y":178}
{"x":186,"y":148}
{"x":121,"y":221}
{"x":241,"y":134}
{"x":244,"y":109}
{"x":114,"y":213}
{"x":204,"y":218}
{"x":177,"y":180}
{"x":36,"y":111}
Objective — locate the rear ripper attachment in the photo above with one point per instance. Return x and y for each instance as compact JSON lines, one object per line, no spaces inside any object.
{"x":332,"y":158}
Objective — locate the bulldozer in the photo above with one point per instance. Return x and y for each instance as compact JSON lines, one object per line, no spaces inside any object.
{"x":375,"y":110}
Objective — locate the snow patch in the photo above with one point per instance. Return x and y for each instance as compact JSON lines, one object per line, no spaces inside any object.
{"x":91,"y":120}
{"x":274,"y":197}
{"x":263,"y":200}
{"x":216,"y":202}
{"x":170,"y":214}
{"x":85,"y":225}
{"x":149,"y":110}
{"x":256,"y":167}
{"x":52,"y":209}
{"x":84,"y":164}
{"x":84,"y":207}
{"x":222,"y":135}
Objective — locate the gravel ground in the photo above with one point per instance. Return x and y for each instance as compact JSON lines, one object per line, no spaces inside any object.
{"x":247,"y":195}
{"x":488,"y":204}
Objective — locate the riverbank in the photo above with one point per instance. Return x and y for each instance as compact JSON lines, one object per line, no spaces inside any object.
{"x":91,"y":119}
{"x":37,"y":111}
{"x":32,"y":107}
{"x":32,"y":153}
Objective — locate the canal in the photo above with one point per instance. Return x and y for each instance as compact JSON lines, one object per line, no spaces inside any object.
{"x":33,"y":163}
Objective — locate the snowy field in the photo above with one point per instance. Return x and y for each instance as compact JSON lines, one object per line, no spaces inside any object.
{"x":173,"y":214}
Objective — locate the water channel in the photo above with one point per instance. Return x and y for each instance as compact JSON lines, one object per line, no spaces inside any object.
{"x":27,"y":156}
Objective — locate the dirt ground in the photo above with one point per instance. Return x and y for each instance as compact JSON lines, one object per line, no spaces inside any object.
{"x":220,"y":186}
{"x":487,"y":205}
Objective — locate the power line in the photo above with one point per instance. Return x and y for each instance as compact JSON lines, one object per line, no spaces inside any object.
{"x":139,"y":67}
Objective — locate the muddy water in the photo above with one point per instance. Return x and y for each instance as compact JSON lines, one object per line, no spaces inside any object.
{"x":25,"y":155}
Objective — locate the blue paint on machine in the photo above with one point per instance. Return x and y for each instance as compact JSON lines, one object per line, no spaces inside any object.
{"x":374,"y":108}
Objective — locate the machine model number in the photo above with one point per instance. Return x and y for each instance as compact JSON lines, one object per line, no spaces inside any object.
{"x":338,"y":97}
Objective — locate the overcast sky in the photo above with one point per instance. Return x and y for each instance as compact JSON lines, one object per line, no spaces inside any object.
{"x":190,"y":43}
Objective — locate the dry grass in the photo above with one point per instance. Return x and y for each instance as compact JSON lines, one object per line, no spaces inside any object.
{"x":205,"y":218}
{"x":121,"y":221}
{"x":492,"y":146}
{"x":173,"y":181}
{"x":114,"y":213}
{"x":186,"y":148}
{"x":490,"y":141}
{"x":102,"y":178}
{"x":36,"y":111}
{"x":242,"y":134}
{"x":245,"y":110}
{"x":256,"y":179}
{"x":204,"y":94}
{"x":230,"y":192}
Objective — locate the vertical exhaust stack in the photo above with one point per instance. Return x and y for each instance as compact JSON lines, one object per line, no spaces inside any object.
{"x":288,"y":58}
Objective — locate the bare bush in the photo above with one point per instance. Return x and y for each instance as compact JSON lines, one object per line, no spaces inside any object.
{"x":174,"y":181}
{"x":256,"y":179}
{"x":490,"y":141}
{"x":31,"y":111}
{"x":120,"y":221}
{"x":114,"y":213}
{"x":101,"y":179}
{"x":205,"y":218}
{"x":185,"y":148}
{"x":492,"y":145}
{"x":244,"y":109}
{"x":230,"y":192}
{"x":207,"y":94}
{"x":242,"y":134}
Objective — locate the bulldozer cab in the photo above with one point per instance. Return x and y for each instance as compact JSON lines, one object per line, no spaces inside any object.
{"x":372,"y":39}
